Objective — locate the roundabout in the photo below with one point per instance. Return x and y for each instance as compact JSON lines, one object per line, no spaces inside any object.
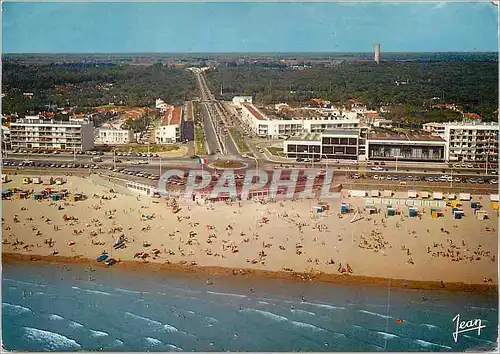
{"x":228,"y":165}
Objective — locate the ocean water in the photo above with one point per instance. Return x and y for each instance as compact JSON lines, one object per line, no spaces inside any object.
{"x":56,"y":307}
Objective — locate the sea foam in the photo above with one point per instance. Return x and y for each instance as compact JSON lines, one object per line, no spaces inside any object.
{"x":14,"y":309}
{"x":95,"y":333}
{"x":50,"y":340}
{"x":225,"y":294}
{"x":374,"y":314}
{"x":426,"y":344}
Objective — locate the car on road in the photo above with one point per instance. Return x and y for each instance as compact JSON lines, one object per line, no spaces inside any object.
{"x":494,"y":181}
{"x":195,"y":157}
{"x":143,"y":162}
{"x":299,"y":159}
{"x":377,"y":168}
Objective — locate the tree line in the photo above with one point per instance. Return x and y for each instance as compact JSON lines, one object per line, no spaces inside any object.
{"x":471,"y":84}
{"x":91,"y":85}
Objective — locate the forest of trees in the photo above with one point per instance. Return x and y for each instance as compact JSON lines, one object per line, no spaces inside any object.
{"x":472,"y":84}
{"x":91,"y":85}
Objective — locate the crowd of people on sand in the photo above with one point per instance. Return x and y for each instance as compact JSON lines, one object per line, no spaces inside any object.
{"x":222,"y":240}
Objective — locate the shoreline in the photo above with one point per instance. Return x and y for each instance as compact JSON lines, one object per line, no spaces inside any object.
{"x":242,"y":273}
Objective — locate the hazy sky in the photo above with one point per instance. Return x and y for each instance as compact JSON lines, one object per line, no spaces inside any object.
{"x":247,"y":27}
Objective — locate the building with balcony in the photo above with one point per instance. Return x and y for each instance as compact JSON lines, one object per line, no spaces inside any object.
{"x":35,"y":133}
{"x":287,"y":123}
{"x":468,"y":141}
{"x":113,"y":136}
{"x":169,"y":131}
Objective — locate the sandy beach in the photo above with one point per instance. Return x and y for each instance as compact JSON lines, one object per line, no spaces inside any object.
{"x":287,"y":237}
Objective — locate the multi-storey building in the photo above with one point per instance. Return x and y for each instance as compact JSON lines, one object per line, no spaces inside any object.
{"x":330,"y":144}
{"x":36,"y":133}
{"x":113,"y":136}
{"x":169,"y":131}
{"x":316,"y":121}
{"x":468,"y":141}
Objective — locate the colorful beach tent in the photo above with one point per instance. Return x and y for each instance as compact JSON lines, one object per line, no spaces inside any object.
{"x":494,"y":197}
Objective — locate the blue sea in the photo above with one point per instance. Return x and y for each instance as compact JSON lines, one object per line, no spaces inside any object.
{"x":57,"y":307}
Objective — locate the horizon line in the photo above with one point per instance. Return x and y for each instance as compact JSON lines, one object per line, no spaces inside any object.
{"x":256,"y":52}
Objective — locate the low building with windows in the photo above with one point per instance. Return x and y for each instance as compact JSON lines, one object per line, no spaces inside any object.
{"x":405,"y":147}
{"x":330,"y":144}
{"x":36,"y":133}
{"x":111,"y":136}
{"x":169,"y":131}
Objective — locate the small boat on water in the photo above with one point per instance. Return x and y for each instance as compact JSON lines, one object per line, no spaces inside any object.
{"x":110,"y":262}
{"x":101,"y":257}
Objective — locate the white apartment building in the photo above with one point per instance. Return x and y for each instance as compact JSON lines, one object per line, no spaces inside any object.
{"x":169,"y":131}
{"x":468,"y":141}
{"x":113,"y":136}
{"x":36,"y":133}
{"x":267,"y":127}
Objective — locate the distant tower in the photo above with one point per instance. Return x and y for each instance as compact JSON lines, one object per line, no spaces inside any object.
{"x":377,"y":53}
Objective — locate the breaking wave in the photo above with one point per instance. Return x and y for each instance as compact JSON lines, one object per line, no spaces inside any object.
{"x":388,"y":335}
{"x":304,"y":312}
{"x":145,"y":319}
{"x":429,"y":326}
{"x":130,"y":291}
{"x":225,"y":294}
{"x":153,"y":341}
{"x":92,"y":291}
{"x":426,"y":344}
{"x":50,"y":340}
{"x":325,"y":306}
{"x":174,"y":348}
{"x":55,"y":317}
{"x":75,"y":324}
{"x":15,"y":309}
{"x":279,"y":318}
{"x":374,"y":314}
{"x":95,"y":333}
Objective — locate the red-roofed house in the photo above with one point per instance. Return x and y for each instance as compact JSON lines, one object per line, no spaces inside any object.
{"x":169,"y":131}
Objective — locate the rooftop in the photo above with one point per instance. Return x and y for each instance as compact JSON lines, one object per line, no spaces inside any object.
{"x":403,"y":137}
{"x":47,"y":122}
{"x":306,"y":137}
{"x":253,"y":111}
{"x":341,"y":132}
{"x":172,"y":116}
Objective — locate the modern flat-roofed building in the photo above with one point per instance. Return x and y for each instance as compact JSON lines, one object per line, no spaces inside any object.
{"x":306,"y":121}
{"x":340,"y":144}
{"x":405,"y":147}
{"x":304,"y":146}
{"x":36,"y":133}
{"x":169,"y":131}
{"x":468,"y":141}
{"x":113,"y":136}
{"x":330,"y":144}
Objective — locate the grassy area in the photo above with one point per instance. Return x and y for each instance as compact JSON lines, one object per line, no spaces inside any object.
{"x":275,"y":151}
{"x":239,"y":140}
{"x":199,"y":137}
{"x":228,"y":164}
